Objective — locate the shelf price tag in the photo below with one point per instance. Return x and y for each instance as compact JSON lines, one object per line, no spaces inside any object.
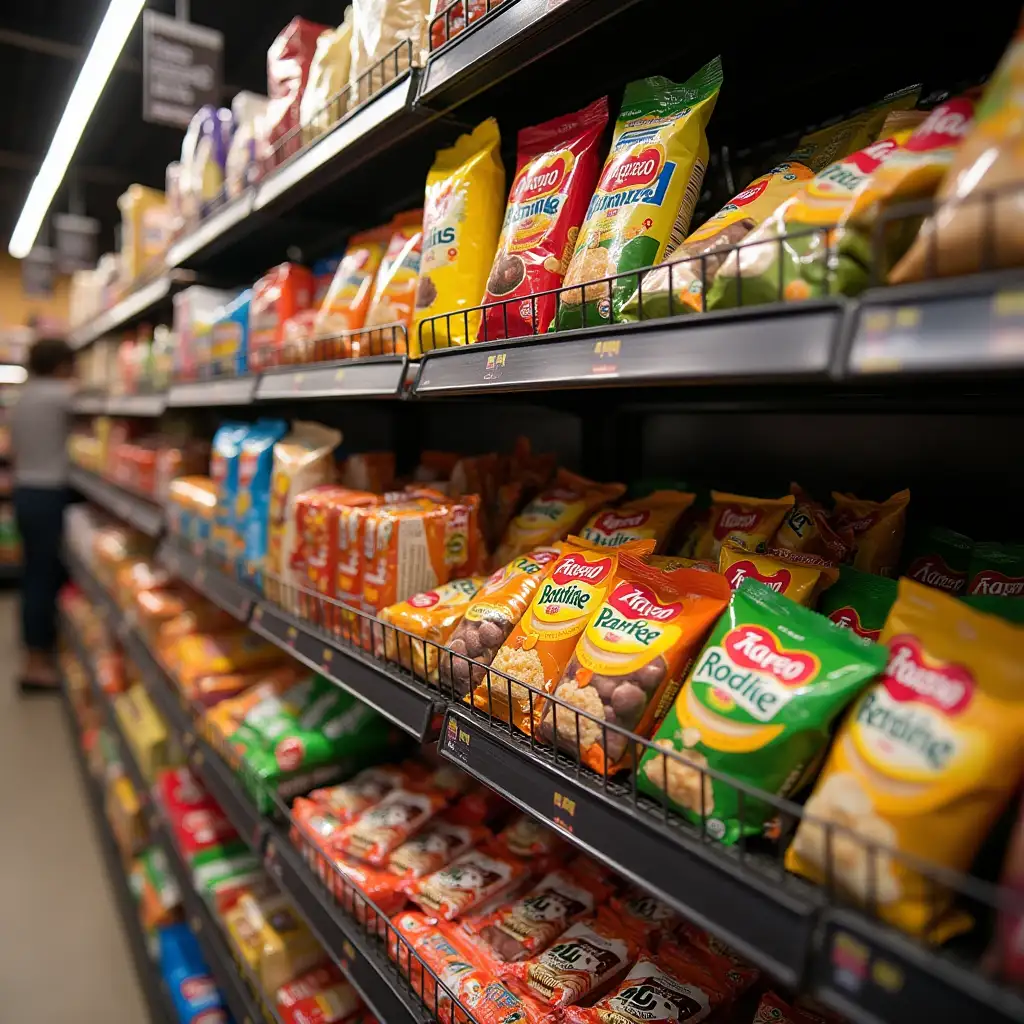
{"x":494,"y":365}
{"x":606,"y":356}
{"x":457,"y":739}
{"x":564,"y":810}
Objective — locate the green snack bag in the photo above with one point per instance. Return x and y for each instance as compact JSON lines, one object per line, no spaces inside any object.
{"x":1003,"y":607}
{"x":996,"y":570}
{"x":758,"y":706}
{"x":939,"y":558}
{"x":859,"y":601}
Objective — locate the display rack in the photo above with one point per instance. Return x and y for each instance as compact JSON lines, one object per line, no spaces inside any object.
{"x":147,"y":300}
{"x":142,"y":512}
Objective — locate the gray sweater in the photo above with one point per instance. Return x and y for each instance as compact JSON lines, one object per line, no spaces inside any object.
{"x":40,"y":422}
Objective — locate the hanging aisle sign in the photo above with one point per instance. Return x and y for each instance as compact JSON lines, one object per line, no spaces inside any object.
{"x":182,"y":69}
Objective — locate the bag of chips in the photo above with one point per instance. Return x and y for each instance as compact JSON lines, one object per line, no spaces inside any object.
{"x":556,"y":170}
{"x":757,"y":706}
{"x":939,"y":558}
{"x":859,"y":601}
{"x":996,"y":570}
{"x":467,"y":882}
{"x":877,"y":528}
{"x":652,"y":517}
{"x":799,"y":582}
{"x":347,"y":300}
{"x":461,"y":219}
{"x":629,"y":660}
{"x":644,"y":199}
{"x":750,"y":523}
{"x":647,"y":918}
{"x":394,"y":291}
{"x":807,"y":530}
{"x":377,"y":832}
{"x":923,"y":765}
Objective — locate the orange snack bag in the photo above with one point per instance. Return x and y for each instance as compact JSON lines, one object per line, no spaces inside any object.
{"x":385,"y":826}
{"x":773,"y":1009}
{"x":749,"y":522}
{"x":650,"y":518}
{"x":394,"y":294}
{"x":629,"y":662}
{"x":468,"y":881}
{"x":438,"y":843}
{"x":796,"y":580}
{"x":204,"y":655}
{"x":877,"y":528}
{"x":645,"y":917}
{"x":210,"y":690}
{"x":348,"y":799}
{"x":492,"y":615}
{"x":554,"y":513}
{"x":807,"y":530}
{"x":541,"y":644}
{"x":202,"y":618}
{"x":347,"y":300}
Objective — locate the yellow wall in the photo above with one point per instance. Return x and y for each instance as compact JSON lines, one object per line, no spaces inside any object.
{"x":16,"y":307}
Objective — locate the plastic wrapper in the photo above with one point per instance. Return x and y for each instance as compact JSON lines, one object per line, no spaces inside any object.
{"x":344,"y":308}
{"x":799,"y":582}
{"x":468,"y":881}
{"x":388,"y":33}
{"x":652,"y":517}
{"x":877,"y":528}
{"x":394,"y":292}
{"x":749,"y":523}
{"x":996,"y":570}
{"x":325,"y":98}
{"x":438,"y":843}
{"x":377,"y":832}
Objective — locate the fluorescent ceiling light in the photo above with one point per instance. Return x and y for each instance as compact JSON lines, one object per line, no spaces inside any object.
{"x":10,"y":374}
{"x":113,"y":33}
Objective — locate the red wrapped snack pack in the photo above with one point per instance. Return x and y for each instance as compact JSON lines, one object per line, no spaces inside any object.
{"x":438,"y":843}
{"x":349,"y":799}
{"x":468,"y":881}
{"x":384,"y":827}
{"x":320,"y":996}
{"x":533,"y":842}
{"x":647,"y":919}
{"x":556,"y":170}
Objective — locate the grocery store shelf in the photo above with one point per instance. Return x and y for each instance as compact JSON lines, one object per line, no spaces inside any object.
{"x":90,"y":403}
{"x":372,"y":377}
{"x":158,"y":1002}
{"x":405,"y":704}
{"x":213,"y":234}
{"x":142,"y":513}
{"x":137,"y":405}
{"x":201,"y":393}
{"x":230,"y":595}
{"x":224,"y":787}
{"x":140,"y":303}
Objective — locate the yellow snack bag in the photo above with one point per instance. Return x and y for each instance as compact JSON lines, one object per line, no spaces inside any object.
{"x":877,"y":528}
{"x":799,"y":582}
{"x":645,"y":196}
{"x":649,"y":518}
{"x":924,"y":763}
{"x":462,"y":211}
{"x":749,"y":522}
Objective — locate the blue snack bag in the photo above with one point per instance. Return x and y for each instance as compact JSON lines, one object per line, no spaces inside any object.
{"x":229,"y":337}
{"x":194,"y":993}
{"x":252,"y":503}
{"x":225,"y":453}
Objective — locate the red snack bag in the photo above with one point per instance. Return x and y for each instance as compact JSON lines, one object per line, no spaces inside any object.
{"x":590,"y":954}
{"x":533,"y":842}
{"x":644,"y":916}
{"x":670,"y":989}
{"x":279,"y":294}
{"x":477,"y":807}
{"x":438,"y":843}
{"x":556,"y":171}
{"x":384,"y":827}
{"x":378,"y":884}
{"x":320,"y":996}
{"x":774,"y":1009}
{"x":368,"y":787}
{"x":735,"y":975}
{"x":468,"y":881}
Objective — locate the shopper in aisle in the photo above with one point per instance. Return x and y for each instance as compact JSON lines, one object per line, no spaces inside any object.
{"x":39,"y":437}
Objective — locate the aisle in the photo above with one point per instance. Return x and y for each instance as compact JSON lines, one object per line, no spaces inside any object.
{"x":65,"y":956}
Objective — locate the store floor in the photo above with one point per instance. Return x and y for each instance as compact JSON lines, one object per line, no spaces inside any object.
{"x":65,"y":955}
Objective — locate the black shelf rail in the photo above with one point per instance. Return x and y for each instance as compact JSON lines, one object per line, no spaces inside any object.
{"x":144,"y":300}
{"x":227,"y":593}
{"x":142,"y":512}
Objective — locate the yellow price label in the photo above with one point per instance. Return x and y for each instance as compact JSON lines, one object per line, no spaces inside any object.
{"x":292,"y":632}
{"x":908,"y":316}
{"x":877,"y":320}
{"x":328,"y":655}
{"x":887,"y":976}
{"x":339,"y":375}
{"x":608,"y":348}
{"x":1010,"y":303}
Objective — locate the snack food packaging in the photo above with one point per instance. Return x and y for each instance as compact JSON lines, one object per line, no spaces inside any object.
{"x":241,"y":167}
{"x":225,"y":455}
{"x":393,"y":29}
{"x":394,"y":292}
{"x":204,"y":152}
{"x":859,"y":601}
{"x":378,"y":831}
{"x":492,"y":615}
{"x":968,"y":233}
{"x":750,"y":523}
{"x":996,"y":570}
{"x":556,"y":171}
{"x":229,"y":337}
{"x":347,"y":300}
{"x":211,"y":689}
{"x":807,"y":530}
{"x":448,"y":18}
{"x":877,"y":528}
{"x":645,"y":917}
{"x":555,"y":513}
{"x":542,"y":642}
{"x":320,"y":996}
{"x":649,"y":518}
{"x":206,"y":654}
{"x":586,"y":956}
{"x":666,"y":563}
{"x":758,"y":706}
{"x":799,"y":582}
{"x":276,"y":297}
{"x":939,"y":558}
{"x":629,"y":661}
{"x":362,"y":791}
{"x":194,"y":994}
{"x":923,"y":764}
{"x":461,"y":220}
{"x":773,"y":1009}
{"x":432,"y":616}
{"x":467,"y":882}
{"x":541,"y":846}
{"x":438,"y":843}
{"x":325,"y":97}
{"x":645,"y":195}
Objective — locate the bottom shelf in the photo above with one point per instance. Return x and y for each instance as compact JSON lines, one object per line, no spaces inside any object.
{"x":157,"y":999}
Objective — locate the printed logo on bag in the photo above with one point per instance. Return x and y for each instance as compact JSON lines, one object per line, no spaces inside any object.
{"x":634,"y":601}
{"x":544,"y":177}
{"x":551,"y":905}
{"x":575,"y":567}
{"x":738,"y":518}
{"x":198,"y":989}
{"x":613,"y":528}
{"x":848,"y":618}
{"x":997,"y":584}
{"x":571,"y":584}
{"x":653,"y":999}
{"x":580,"y":954}
{"x":946,"y":125}
{"x":425,"y":600}
{"x":932,"y":571}
{"x":739,"y":571}
{"x":633,"y":168}
{"x":912,"y":676}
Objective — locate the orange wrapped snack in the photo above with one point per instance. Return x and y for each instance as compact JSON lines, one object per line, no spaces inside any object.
{"x":349,"y":799}
{"x":651,"y":518}
{"x":528,"y":839}
{"x":378,"y":831}
{"x":629,"y":662}
{"x":718,"y":957}
{"x":541,"y":644}
{"x":555,"y":513}
{"x":646,"y":918}
{"x":468,"y":881}
{"x":587,"y":955}
{"x":666,"y":563}
{"x":200,"y":618}
{"x":394,"y":294}
{"x":797,"y":581}
{"x":807,"y":530}
{"x":773,"y":1009}
{"x":492,"y":615}
{"x":438,"y":843}
{"x":209,"y":690}
{"x":378,"y":884}
{"x":877,"y":528}
{"x":750,"y":523}
{"x":348,"y":298}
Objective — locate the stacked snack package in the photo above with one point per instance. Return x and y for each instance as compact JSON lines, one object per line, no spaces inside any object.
{"x":387,"y":37}
{"x":394,"y":292}
{"x":278,"y":297}
{"x":325,"y":97}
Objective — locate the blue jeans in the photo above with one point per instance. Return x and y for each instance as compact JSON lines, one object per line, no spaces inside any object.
{"x":39,"y":512}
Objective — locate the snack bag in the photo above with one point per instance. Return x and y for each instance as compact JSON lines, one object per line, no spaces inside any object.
{"x":541,"y":644}
{"x":968,"y":233}
{"x":666,"y":563}
{"x":491,"y":616}
{"x":645,"y":195}
{"x":320,"y":996}
{"x":438,"y":843}
{"x":467,"y":882}
{"x":800,"y":583}
{"x":758,"y":706}
{"x":528,"y":839}
{"x":859,"y":601}
{"x":773,"y":1009}
{"x":461,"y":220}
{"x":877,"y":528}
{"x":996,"y":570}
{"x":432,"y":616}
{"x":380,"y":830}
{"x":348,"y":799}
{"x":924,"y":763}
{"x":806,"y":530}
{"x":652,"y":517}
{"x":394,"y":294}
{"x":556,"y":170}
{"x":555,"y":513}
{"x":646,"y":918}
{"x":630,"y":658}
{"x":252,"y":506}
{"x":347,"y":300}
{"x":586,"y":956}
{"x":225,"y":455}
{"x":939,"y":558}
{"x":750,"y":523}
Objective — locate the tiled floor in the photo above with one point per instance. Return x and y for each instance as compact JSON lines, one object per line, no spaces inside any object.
{"x":65,"y":956}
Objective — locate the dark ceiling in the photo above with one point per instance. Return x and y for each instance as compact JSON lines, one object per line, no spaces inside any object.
{"x":42,"y":47}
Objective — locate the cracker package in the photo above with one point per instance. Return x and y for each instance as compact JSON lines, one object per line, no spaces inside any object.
{"x":468,"y":881}
{"x":647,"y":918}
{"x":541,"y":644}
{"x":492,"y":615}
{"x":807,"y":530}
{"x":652,"y":517}
{"x":378,"y":831}
{"x":555,"y":513}
{"x":996,"y":570}
{"x":539,"y":844}
{"x":749,"y":523}
{"x":347,"y":300}
{"x":348,"y":799}
{"x":461,"y":219}
{"x":923,"y":765}
{"x":758,"y":706}
{"x":556,"y":170}
{"x":438,"y":843}
{"x":859,"y":601}
{"x":644,"y":199}
{"x":877,"y":528}
{"x":630,"y":658}
{"x":394,"y":293}
{"x":798,"y":581}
